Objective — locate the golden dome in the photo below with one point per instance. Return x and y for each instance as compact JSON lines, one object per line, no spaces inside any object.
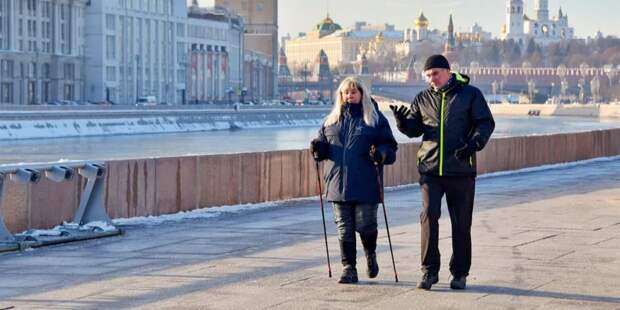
{"x":422,"y":21}
{"x":327,"y":25}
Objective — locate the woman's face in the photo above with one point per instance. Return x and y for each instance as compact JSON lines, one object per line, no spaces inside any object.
{"x":352,"y":95}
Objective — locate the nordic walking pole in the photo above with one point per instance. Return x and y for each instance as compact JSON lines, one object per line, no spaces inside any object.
{"x":318,"y":176}
{"x":387,"y":227}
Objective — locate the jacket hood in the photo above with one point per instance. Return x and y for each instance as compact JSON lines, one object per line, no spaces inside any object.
{"x":461,"y":78}
{"x":456,"y":81}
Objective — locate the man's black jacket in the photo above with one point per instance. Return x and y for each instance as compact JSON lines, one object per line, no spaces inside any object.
{"x":448,"y":119}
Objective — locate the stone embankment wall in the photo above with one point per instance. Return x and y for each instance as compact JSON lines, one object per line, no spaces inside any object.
{"x":169,"y":185}
{"x":15,"y":125}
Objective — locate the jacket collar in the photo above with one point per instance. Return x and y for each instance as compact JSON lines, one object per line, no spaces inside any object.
{"x":354,"y":110}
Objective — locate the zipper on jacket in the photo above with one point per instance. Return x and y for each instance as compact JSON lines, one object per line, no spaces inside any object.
{"x":441,"y":125}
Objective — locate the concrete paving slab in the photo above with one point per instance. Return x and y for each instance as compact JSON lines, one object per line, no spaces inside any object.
{"x":534,"y":247}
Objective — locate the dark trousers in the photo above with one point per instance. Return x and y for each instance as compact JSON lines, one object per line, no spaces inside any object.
{"x":459,"y":193}
{"x":352,"y":217}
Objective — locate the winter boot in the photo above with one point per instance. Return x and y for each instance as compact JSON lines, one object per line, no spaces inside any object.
{"x":370,"y":245}
{"x":348,"y":253}
{"x":458,"y":282}
{"x":428,"y":279}
{"x":373,"y":267}
{"x":349,"y":275}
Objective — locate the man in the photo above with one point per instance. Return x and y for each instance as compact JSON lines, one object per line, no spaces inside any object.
{"x":455,"y":122}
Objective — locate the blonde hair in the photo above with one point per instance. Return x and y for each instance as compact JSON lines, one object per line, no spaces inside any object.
{"x":368,"y":109}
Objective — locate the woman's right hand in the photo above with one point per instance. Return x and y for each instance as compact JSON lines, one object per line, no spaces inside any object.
{"x":319,"y":149}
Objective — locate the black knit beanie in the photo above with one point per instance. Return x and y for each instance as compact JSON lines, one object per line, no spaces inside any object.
{"x":436,"y":61}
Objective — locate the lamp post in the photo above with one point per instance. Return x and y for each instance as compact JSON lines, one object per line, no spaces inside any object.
{"x":474,"y":66}
{"x":526,"y":66}
{"x":595,"y":88}
{"x":531,"y":89}
{"x":563,"y":88}
{"x":561,"y":73}
{"x":504,"y":70}
{"x":244,"y":91}
{"x":230,"y":92}
{"x":611,"y":72}
{"x":583,"y":69}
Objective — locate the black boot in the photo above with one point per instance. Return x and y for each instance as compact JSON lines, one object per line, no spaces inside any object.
{"x":348,"y":253}
{"x":428,"y":279}
{"x":458,"y":282}
{"x":373,"y":268}
{"x":349,"y":275}
{"x":370,"y":245}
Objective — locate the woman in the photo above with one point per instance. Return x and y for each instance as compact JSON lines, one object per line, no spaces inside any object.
{"x":354,"y":139}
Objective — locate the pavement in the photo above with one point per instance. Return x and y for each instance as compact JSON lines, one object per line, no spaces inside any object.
{"x":546,"y":239}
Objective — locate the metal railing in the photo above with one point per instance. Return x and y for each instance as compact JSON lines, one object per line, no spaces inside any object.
{"x":90,"y":219}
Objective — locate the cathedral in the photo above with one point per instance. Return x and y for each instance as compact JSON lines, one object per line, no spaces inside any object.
{"x":542,"y":28}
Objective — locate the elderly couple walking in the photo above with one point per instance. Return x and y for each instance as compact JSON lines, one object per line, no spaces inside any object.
{"x":454,"y":121}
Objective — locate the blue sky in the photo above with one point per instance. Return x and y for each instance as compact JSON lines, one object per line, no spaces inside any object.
{"x":301,"y":15}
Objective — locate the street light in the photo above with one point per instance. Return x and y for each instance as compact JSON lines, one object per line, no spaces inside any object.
{"x":563,"y":88}
{"x":230,"y":92}
{"x":582,"y":93}
{"x":595,"y":88}
{"x":504,"y":70}
{"x":561,"y":72}
{"x":531,"y":89}
{"x":474,"y":67}
{"x":244,"y":91}
{"x":611,"y":72}
{"x":526,"y":66}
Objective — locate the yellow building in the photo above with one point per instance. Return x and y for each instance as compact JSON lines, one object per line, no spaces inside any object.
{"x":341,"y":46}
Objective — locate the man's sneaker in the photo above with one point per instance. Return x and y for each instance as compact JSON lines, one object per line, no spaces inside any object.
{"x":373,"y":267}
{"x":458,"y":283}
{"x":349,"y":275}
{"x":428,"y":279}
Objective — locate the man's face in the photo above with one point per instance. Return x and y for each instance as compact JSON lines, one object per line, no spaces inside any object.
{"x":437,"y":77}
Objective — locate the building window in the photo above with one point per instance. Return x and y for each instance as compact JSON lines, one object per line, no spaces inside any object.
{"x":69,"y":71}
{"x":110,"y":22}
{"x":6,"y":68}
{"x":32,"y":70}
{"x":31,"y":92}
{"x":46,"y":71}
{"x":110,"y":47}
{"x":68,"y":92}
{"x":6,"y":92}
{"x":45,"y":92}
{"x":180,"y":30}
{"x":110,"y":73}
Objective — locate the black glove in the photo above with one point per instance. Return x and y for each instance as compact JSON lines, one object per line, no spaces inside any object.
{"x":466,"y":151}
{"x":376,"y":156}
{"x":400,"y":113}
{"x":319,"y":149}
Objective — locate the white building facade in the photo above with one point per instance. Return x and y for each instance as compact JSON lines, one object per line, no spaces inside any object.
{"x":543,"y":29}
{"x":41,"y":51}
{"x":131,"y":49}
{"x":212,"y":48}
